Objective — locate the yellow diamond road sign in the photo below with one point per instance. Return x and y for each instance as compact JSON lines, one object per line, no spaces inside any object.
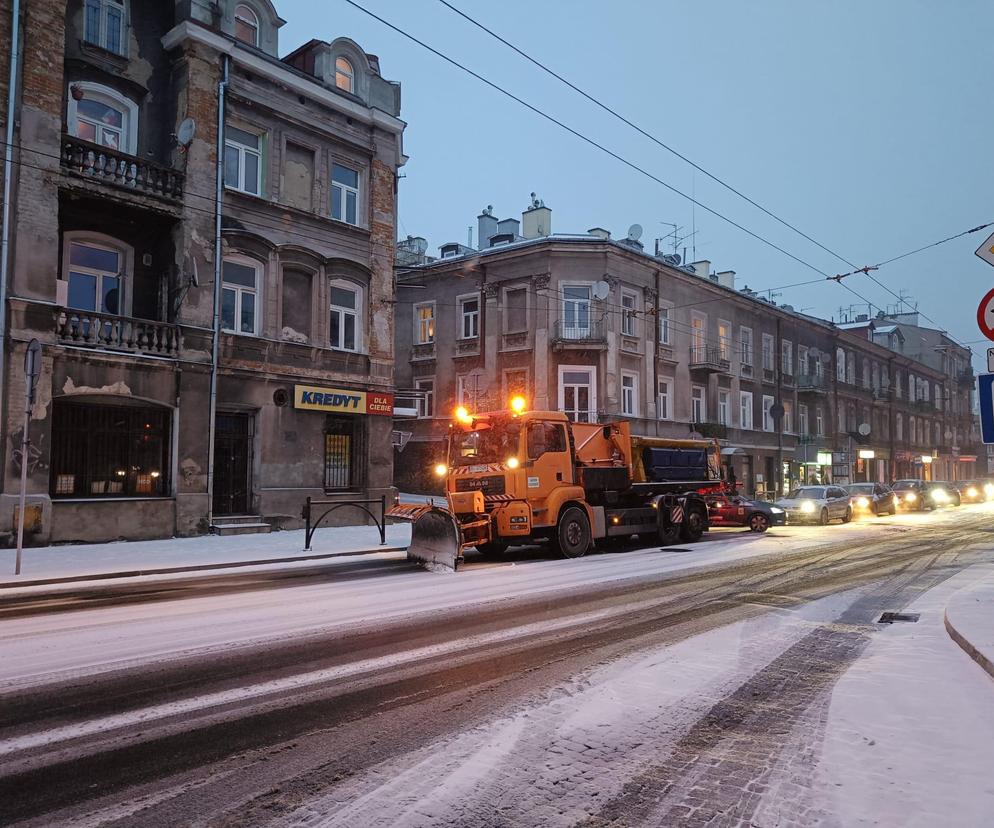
{"x":986,"y":250}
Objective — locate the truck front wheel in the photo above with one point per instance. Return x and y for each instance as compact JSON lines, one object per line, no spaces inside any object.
{"x":693,"y":524}
{"x":573,"y":533}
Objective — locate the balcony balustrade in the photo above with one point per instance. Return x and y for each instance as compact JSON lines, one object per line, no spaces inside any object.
{"x":709,"y":358}
{"x":109,"y":166}
{"x":117,"y":333}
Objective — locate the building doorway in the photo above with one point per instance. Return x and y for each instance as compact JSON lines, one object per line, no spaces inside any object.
{"x":233,"y":463}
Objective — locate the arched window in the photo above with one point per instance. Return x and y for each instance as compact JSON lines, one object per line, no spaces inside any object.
{"x":344,"y":75}
{"x":103,"y":116}
{"x":94,"y":268}
{"x":246,"y":25}
{"x":345,"y":328}
{"x":104,"y":25}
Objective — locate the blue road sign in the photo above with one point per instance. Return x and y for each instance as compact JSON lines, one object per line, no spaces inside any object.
{"x":985,"y":395}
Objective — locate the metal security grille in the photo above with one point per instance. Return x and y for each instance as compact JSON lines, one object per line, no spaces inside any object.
{"x":109,"y":451}
{"x":344,"y":453}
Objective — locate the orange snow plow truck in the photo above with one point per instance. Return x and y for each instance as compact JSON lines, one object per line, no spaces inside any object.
{"x":516,"y":477}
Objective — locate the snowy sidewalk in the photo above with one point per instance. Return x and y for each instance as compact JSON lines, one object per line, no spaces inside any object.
{"x":55,"y":564}
{"x":970,"y":619}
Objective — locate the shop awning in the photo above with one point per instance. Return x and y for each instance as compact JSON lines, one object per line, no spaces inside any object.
{"x":727,"y":451}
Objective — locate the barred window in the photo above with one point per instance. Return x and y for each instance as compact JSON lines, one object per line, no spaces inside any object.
{"x":109,"y":451}
{"x":344,"y":453}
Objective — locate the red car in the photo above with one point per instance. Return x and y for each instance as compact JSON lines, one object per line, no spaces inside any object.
{"x":734,"y":510}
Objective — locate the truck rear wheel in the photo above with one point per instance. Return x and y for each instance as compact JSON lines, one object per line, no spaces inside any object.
{"x":573,"y":533}
{"x":693,"y":524}
{"x":494,"y":549}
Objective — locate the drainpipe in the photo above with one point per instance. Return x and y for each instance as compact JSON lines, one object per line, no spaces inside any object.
{"x":222,"y":88}
{"x":778,"y":357}
{"x":655,"y":354}
{"x":8,"y":166}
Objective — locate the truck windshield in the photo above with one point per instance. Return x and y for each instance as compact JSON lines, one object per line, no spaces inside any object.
{"x":488,"y":445}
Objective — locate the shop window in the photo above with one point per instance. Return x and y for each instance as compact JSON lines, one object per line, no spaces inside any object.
{"x":109,"y":451}
{"x":344,"y":453}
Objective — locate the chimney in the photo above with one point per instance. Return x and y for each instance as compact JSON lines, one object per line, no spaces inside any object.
{"x":702,"y":268}
{"x":487,"y":227}
{"x":508,"y":227}
{"x":536,"y":221}
{"x":726,"y":278}
{"x":600,"y":232}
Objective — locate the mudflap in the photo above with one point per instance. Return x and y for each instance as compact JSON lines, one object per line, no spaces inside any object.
{"x":436,"y":540}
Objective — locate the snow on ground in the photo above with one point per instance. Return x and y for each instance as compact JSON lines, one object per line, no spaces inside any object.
{"x":910,"y":731}
{"x":970,"y":617}
{"x":562,"y":755}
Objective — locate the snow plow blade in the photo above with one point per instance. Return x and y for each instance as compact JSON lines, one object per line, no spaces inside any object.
{"x":436,"y":540}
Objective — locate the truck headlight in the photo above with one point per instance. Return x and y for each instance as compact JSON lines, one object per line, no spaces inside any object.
{"x":441,"y":470}
{"x":512,"y":462}
{"x":807,"y":506}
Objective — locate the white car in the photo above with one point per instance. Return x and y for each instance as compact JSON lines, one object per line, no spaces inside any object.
{"x":817,"y":504}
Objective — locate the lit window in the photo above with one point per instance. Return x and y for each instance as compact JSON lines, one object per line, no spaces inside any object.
{"x":344,"y":75}
{"x":102,"y":116}
{"x":94,"y":272}
{"x":344,"y":194}
{"x":424,"y":317}
{"x":246,"y":25}
{"x":724,"y":340}
{"x":104,"y":25}
{"x":239,"y":296}
{"x":469,"y":317}
{"x":242,"y":160}
{"x":346,"y":328}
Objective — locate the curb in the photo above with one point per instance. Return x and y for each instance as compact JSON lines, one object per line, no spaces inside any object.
{"x":984,"y":662}
{"x":171,"y":570}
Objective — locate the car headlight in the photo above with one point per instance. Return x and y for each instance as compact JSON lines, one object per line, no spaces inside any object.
{"x":807,"y":506}
{"x":862,"y":502}
{"x":972,"y":492}
{"x":939,"y":496}
{"x":776,"y":510}
{"x":911,"y":497}
{"x":897,"y":500}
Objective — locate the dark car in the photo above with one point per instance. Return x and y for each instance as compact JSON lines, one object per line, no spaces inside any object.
{"x":944,"y":493}
{"x":976,"y":491}
{"x":872,"y":498}
{"x":734,"y":510}
{"x":924,"y":495}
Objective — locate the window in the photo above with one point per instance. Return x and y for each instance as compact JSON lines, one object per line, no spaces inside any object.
{"x":663,"y":404}
{"x":802,"y":420}
{"x":698,"y":331}
{"x":866,"y":372}
{"x":109,"y":451}
{"x":344,"y":452}
{"x":104,"y":25}
{"x":426,"y":399}
{"x":543,"y":438}
{"x":578,"y":393}
{"x":628,"y":313}
{"x":787,"y":357}
{"x":94,"y":276}
{"x":698,"y":405}
{"x":469,"y":316}
{"x":911,"y":387}
{"x":745,"y":346}
{"x":515,"y":310}
{"x":344,"y":75}
{"x":723,"y":407}
{"x":664,"y":326}
{"x":840,"y":365}
{"x":296,"y":305}
{"x":239,"y":296}
{"x":875,"y":377}
{"x":767,"y":416}
{"x":819,"y":362}
{"x":842,"y":420}
{"x":787,"y":425}
{"x":462,"y":390}
{"x":344,"y":194}
{"x":850,"y":368}
{"x":576,"y":311}
{"x":768,"y":353}
{"x":745,"y":409}
{"x":724,"y":340}
{"x":242,"y":160}
{"x":246,"y":25}
{"x":345,"y":332}
{"x":629,"y":394}
{"x":803,"y":366}
{"x":938,"y":398}
{"x":819,"y":423}
{"x":424,"y":323}
{"x":103,"y":116}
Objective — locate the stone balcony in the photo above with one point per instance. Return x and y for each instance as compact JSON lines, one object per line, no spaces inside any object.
{"x":709,"y":358}
{"x":108,"y":332}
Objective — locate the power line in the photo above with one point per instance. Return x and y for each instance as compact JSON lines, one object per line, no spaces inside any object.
{"x":576,"y":133}
{"x":641,"y":131}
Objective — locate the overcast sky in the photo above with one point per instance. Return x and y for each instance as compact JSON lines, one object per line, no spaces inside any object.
{"x":868,"y":125}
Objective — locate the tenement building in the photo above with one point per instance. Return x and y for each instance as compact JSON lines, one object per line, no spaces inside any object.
{"x":601,"y":329}
{"x":201,"y":238}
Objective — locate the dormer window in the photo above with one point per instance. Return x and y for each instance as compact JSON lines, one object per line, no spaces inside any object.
{"x":104,"y":25}
{"x":344,"y":75}
{"x":246,"y":25}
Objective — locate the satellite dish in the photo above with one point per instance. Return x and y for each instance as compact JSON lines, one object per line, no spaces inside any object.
{"x":601,"y":289}
{"x":635,"y":232}
{"x":864,"y":429}
{"x":185,"y":132}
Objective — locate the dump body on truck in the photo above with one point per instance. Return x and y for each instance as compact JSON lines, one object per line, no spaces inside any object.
{"x":517,"y":477}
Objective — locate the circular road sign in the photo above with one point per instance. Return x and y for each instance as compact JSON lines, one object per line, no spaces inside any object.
{"x":985,"y":315}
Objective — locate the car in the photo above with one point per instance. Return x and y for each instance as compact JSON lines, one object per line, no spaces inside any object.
{"x":872,"y":498}
{"x":735,"y":510}
{"x":976,"y":491}
{"x":925,"y":495}
{"x":817,"y":504}
{"x":944,"y":493}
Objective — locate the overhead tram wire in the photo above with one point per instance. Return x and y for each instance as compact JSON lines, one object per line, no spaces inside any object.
{"x":586,"y":139}
{"x":597,"y":102}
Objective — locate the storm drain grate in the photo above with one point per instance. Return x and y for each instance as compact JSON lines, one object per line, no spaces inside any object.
{"x":891,"y":617}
